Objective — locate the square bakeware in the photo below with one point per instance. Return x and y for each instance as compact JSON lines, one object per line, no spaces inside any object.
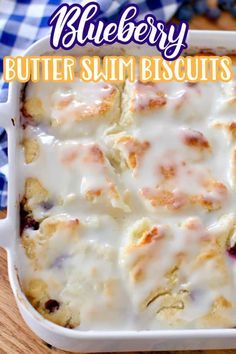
{"x":97,"y":341}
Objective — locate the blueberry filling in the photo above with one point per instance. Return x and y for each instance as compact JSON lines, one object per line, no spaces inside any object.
{"x":232,"y":251}
{"x":31,"y":223}
{"x":27,"y":221}
{"x":52,"y":305}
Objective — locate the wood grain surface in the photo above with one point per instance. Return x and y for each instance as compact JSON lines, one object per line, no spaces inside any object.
{"x":15,"y":336}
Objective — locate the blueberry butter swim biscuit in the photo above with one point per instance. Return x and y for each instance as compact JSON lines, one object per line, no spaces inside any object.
{"x":72,"y":109}
{"x":74,"y":278}
{"x":82,"y":171}
{"x":175,"y":101}
{"x":180,"y":276}
{"x":128,"y":204}
{"x":169,"y":169}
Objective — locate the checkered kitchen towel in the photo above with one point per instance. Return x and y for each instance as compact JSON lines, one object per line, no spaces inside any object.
{"x":24,"y":21}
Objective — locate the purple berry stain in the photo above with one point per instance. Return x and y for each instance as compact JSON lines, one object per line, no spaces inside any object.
{"x":58,"y":262}
{"x":47,"y":205}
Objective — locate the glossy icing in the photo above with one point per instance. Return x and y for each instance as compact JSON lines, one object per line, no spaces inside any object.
{"x":137,"y":220}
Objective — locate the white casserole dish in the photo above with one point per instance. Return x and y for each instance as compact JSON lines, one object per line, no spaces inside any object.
{"x":94,"y":341}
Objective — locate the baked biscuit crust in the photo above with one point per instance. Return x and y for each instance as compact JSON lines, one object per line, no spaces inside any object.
{"x":127,"y":204}
{"x":77,"y":109}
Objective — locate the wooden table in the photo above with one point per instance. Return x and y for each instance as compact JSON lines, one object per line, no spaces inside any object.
{"x":15,"y":336}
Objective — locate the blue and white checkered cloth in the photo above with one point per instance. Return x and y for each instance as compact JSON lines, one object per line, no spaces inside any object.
{"x":24,"y":21}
